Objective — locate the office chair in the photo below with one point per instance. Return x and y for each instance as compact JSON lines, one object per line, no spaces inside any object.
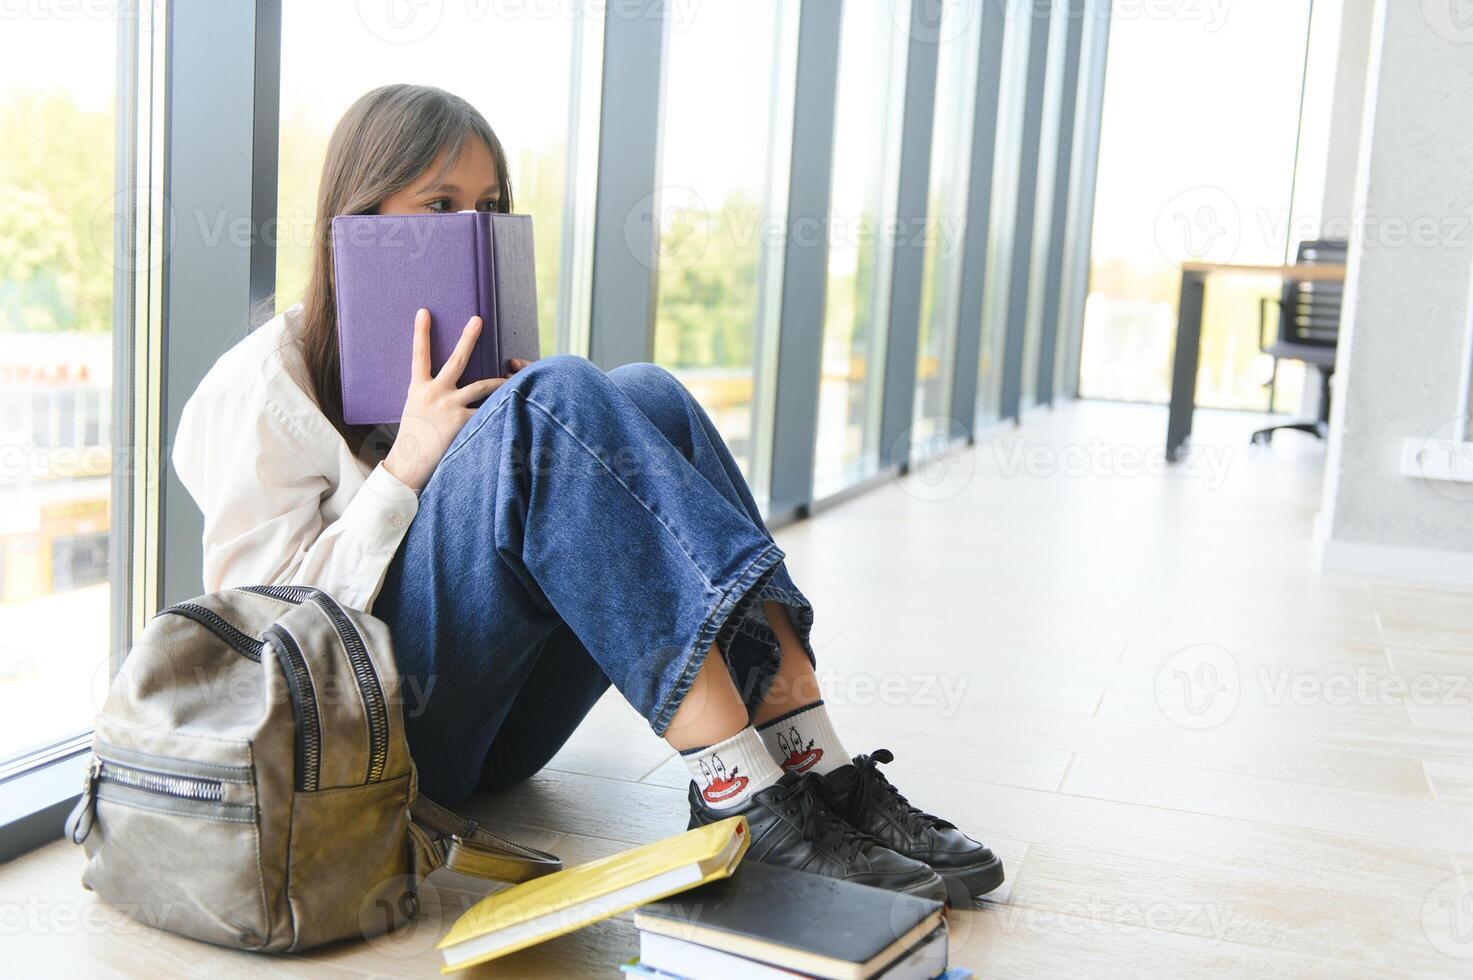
{"x":1308,"y":328}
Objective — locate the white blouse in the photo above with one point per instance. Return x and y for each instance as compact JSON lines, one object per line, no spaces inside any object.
{"x":285,"y":502}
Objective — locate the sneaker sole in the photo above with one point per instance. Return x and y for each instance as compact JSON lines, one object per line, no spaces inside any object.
{"x":972,"y":882}
{"x":934,"y":888}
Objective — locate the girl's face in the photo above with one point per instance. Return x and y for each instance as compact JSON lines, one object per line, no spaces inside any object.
{"x":470,"y":185}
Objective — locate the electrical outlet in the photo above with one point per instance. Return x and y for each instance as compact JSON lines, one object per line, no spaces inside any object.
{"x":1437,"y":459}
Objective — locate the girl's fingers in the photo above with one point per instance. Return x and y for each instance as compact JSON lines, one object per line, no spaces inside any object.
{"x":516,"y":364}
{"x":461,"y":356}
{"x":477,"y":390}
{"x":420,"y":359}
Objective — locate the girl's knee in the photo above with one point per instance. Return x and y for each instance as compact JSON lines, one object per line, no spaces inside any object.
{"x":645,"y":376}
{"x":657,"y":392}
{"x":658,"y":395}
{"x":560,"y":369}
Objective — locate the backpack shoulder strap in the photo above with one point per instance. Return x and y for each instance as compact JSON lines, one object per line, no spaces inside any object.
{"x":461,"y":844}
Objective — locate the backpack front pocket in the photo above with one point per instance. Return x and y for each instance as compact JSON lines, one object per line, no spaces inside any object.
{"x":174,"y":842}
{"x":171,"y":792}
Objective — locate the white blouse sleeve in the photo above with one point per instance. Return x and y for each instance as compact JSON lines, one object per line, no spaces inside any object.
{"x":250,"y":471}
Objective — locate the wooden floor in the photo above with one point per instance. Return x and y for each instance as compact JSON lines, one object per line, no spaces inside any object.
{"x":1196,"y":754}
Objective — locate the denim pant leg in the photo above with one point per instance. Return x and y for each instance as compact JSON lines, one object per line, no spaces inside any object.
{"x":751,"y":648}
{"x":562,"y":687}
{"x":560,"y":502}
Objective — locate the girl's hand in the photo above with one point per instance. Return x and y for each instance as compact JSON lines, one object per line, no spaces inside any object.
{"x":435,"y":409}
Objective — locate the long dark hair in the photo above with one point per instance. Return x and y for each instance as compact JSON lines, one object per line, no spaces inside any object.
{"x":383,"y":142}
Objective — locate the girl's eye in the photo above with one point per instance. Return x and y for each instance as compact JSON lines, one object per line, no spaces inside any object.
{"x":439,"y":204}
{"x":490,"y":204}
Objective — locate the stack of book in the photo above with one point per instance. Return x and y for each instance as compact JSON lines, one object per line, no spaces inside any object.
{"x":565,"y":901}
{"x":766,"y":923}
{"x":704,"y":915}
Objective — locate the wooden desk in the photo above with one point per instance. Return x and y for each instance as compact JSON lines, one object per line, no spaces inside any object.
{"x":1189,"y":332}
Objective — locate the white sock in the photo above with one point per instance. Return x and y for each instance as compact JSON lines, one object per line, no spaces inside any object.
{"x":804,"y":740}
{"x":730,"y":771}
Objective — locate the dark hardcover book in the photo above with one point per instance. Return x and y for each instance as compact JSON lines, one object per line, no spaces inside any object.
{"x":457,"y":266}
{"x":798,"y":921}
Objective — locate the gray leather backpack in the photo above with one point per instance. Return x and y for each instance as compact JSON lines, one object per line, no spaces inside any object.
{"x":250,"y":784}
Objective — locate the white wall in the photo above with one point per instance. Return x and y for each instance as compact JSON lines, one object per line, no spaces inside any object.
{"x":1406,"y":307}
{"x":1346,"y":111}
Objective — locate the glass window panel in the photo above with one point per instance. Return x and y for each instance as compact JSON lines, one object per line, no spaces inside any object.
{"x":951,"y":164}
{"x":1323,"y":184}
{"x":1080,"y":206}
{"x":1043,"y":213}
{"x":525,"y":71}
{"x":866,"y":173}
{"x":57,"y":115}
{"x":1213,"y":185}
{"x":1013,"y":83}
{"x":723,"y":188}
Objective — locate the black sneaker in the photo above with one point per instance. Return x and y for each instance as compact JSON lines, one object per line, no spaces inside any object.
{"x":860,"y":794}
{"x":792,"y":828}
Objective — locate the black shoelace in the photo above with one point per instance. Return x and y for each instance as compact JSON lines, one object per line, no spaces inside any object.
{"x":816,"y":822}
{"x":871,"y":787}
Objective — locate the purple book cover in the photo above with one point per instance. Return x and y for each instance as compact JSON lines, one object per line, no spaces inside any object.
{"x":472,"y":263}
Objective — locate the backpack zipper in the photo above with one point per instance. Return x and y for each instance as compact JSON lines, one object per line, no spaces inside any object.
{"x":304,"y":707}
{"x":295,"y":594}
{"x":308,"y":748}
{"x":370,"y":690}
{"x":242,"y":643}
{"x":375,"y":705}
{"x":299,"y":679}
{"x":197,"y":794}
{"x":161,"y":783}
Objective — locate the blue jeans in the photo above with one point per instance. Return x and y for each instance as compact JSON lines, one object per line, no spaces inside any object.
{"x":582,"y":529}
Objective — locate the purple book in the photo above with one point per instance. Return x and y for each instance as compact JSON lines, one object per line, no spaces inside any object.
{"x":471,"y":263}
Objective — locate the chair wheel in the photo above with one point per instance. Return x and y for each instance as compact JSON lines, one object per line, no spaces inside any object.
{"x":1262,"y":438}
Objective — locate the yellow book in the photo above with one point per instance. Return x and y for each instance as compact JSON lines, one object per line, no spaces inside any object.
{"x":567,"y":900}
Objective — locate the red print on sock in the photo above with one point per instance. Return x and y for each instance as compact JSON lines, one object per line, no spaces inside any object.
{"x":797,"y":757}
{"x":721,"y":785}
